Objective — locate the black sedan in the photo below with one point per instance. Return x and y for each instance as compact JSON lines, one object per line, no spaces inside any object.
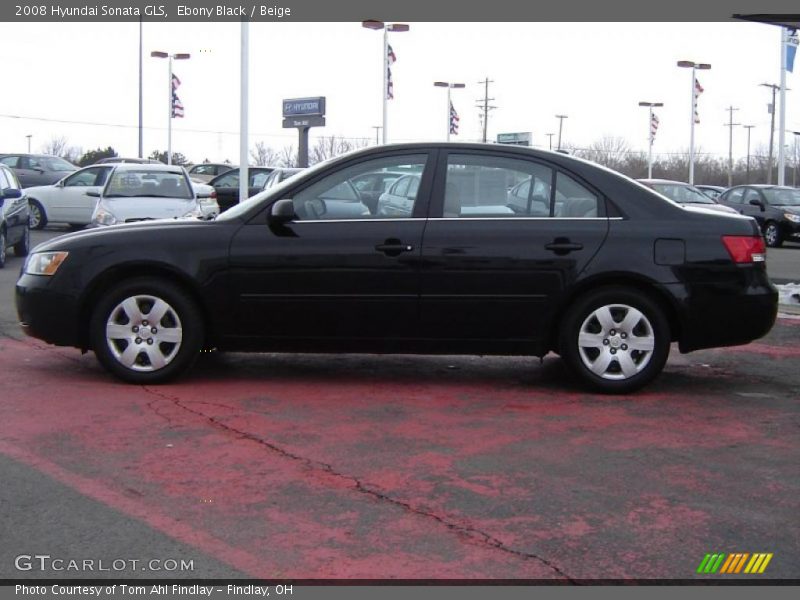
{"x":227,"y":185}
{"x":776,"y":208}
{"x":607,"y":278}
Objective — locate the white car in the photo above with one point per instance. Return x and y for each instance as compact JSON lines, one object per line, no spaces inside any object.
{"x":135,"y":192}
{"x":66,"y":201}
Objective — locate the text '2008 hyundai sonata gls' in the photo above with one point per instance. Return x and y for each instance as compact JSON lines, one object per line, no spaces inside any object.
{"x":497,"y":250}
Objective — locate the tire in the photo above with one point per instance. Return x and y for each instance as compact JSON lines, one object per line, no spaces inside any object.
{"x":772,"y":235}
{"x":22,"y":247}
{"x":37,"y":217}
{"x":2,"y":248}
{"x":597,"y":333}
{"x":120,"y":322}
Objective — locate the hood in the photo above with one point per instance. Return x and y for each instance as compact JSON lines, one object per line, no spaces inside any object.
{"x":148,"y":207}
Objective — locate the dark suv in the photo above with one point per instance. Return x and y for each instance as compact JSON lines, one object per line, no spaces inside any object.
{"x":776,"y":208}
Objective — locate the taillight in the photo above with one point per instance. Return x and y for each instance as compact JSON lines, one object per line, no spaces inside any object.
{"x":745,"y":249}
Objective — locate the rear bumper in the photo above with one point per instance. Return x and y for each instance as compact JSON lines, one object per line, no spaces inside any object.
{"x":714,"y":315}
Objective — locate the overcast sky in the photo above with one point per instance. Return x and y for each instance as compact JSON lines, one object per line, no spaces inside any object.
{"x":596,"y":73}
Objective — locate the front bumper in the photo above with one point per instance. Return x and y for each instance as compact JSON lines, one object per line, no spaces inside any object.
{"x":47,"y":314}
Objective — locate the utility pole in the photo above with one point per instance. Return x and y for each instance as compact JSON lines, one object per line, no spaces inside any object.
{"x":550,"y":135}
{"x":730,"y":125}
{"x":377,"y":129}
{"x":774,"y":89}
{"x":560,"y":127}
{"x":485,"y":107}
{"x":748,"y":127}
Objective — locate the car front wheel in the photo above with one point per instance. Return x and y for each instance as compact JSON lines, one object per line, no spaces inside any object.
{"x":615,"y":339}
{"x":146,"y":330}
{"x":772,"y":235}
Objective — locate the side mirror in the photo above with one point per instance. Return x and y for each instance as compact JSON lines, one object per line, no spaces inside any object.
{"x":757,"y":202}
{"x":11,"y":194}
{"x":93,"y":193}
{"x":282,"y":212}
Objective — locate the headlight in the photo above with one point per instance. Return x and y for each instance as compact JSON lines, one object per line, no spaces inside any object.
{"x":45,"y":263}
{"x":103,"y":216}
{"x":792,"y":217}
{"x":195,"y":213}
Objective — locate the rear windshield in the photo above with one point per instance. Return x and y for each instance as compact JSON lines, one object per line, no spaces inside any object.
{"x":146,"y":183}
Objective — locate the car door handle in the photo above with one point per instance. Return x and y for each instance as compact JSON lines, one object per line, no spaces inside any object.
{"x":562,"y":246}
{"x":393,"y":247}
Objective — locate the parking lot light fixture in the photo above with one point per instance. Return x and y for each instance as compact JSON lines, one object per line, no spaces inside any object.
{"x":386,"y":27}
{"x":688,"y":64}
{"x":449,"y":86}
{"x":170,"y":58}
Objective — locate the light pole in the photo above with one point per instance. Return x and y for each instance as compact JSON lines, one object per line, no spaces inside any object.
{"x":796,"y":167}
{"x":694,"y":67}
{"x":748,"y":127}
{"x":652,"y":136}
{"x":550,"y":139}
{"x":774,"y":89}
{"x":387,"y":27}
{"x":449,"y":86}
{"x":377,"y":129}
{"x":29,"y":136}
{"x":560,"y":127}
{"x":170,"y":57}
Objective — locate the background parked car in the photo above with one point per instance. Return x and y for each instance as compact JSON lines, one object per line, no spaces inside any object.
{"x":712,"y":191}
{"x":119,"y":159}
{"x":67,"y":201}
{"x":37,"y":169}
{"x":205,"y":172}
{"x":227,"y":185}
{"x":685,"y":194}
{"x":14,"y":231}
{"x":136,"y":192}
{"x":776,"y":208}
{"x":372,"y":185}
{"x":279,"y":175}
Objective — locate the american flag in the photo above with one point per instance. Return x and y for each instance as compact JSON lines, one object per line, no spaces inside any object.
{"x":453,"y":120}
{"x":391,"y":58}
{"x":177,"y":105}
{"x":698,"y":89}
{"x":653,"y":126}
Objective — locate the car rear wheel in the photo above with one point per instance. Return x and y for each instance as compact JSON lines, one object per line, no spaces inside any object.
{"x":146,"y":330}
{"x":37,"y":217}
{"x":2,"y":248}
{"x":616,"y":339}
{"x":23,"y":246}
{"x":772,"y":235}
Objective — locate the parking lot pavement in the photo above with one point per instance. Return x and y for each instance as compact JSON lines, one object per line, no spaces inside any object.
{"x":325,"y":466}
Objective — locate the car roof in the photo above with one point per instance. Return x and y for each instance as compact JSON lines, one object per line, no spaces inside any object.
{"x":667,"y":181}
{"x":148,"y":167}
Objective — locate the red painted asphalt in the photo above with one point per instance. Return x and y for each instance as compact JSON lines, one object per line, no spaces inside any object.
{"x":428,"y":467}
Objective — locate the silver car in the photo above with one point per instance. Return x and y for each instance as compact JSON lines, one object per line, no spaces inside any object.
{"x":135,"y":192}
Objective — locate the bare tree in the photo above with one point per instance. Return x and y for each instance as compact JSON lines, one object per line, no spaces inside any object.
{"x":329,"y":146}
{"x":59,"y":146}
{"x":262,"y":155}
{"x":609,"y":151}
{"x":287,"y":157}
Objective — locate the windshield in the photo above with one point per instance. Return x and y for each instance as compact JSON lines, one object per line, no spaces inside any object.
{"x":143,"y":182}
{"x":683,"y":194}
{"x":783,"y":196}
{"x":57,"y":164}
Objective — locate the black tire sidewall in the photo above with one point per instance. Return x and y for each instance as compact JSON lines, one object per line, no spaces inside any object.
{"x":191,"y":322}
{"x":42,"y":216}
{"x":584,"y":306}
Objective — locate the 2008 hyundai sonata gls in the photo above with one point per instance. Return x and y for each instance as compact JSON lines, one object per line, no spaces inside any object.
{"x":488,"y":250}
